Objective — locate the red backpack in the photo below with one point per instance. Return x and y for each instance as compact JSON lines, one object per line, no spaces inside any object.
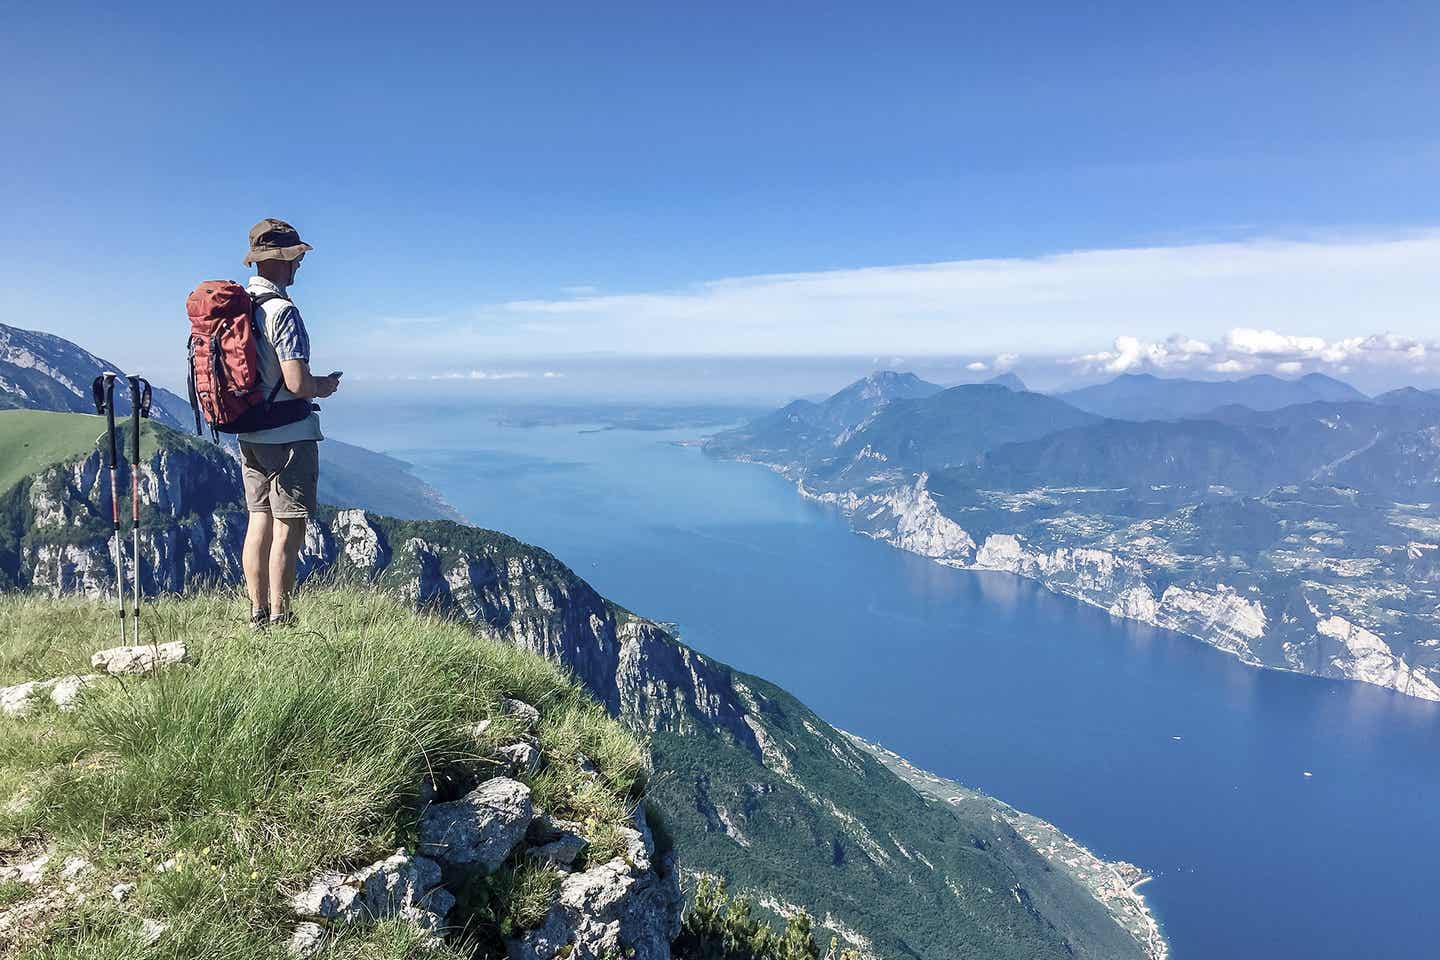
{"x":224,"y":366}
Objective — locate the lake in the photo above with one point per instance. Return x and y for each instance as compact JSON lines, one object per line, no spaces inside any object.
{"x":1142,"y":744}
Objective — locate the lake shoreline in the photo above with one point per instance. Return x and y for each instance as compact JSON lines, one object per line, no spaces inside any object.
{"x":921,"y":529}
{"x":1113,"y":884}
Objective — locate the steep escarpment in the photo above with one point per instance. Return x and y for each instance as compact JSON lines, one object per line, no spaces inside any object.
{"x":756,"y":787}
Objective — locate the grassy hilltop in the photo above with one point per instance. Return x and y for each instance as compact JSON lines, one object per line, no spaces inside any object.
{"x":34,"y":439}
{"x":219,"y":786}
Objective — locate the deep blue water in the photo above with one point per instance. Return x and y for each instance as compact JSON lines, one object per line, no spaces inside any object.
{"x":1044,"y":702}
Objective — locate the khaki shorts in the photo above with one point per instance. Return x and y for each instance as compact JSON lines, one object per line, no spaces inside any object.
{"x":281,"y":478}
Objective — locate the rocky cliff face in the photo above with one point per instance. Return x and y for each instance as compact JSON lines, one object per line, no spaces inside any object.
{"x":1305,"y":627}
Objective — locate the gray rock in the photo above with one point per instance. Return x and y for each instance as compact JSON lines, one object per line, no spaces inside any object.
{"x":521,"y":758}
{"x":118,"y":661}
{"x":386,"y":888}
{"x":430,"y":921}
{"x":121,"y":891}
{"x":607,"y":911}
{"x":481,"y":828}
{"x":398,"y":882}
{"x":562,"y":851}
{"x":19,"y":700}
{"x":29,"y":872}
{"x":307,"y":939}
{"x":329,"y":896}
{"x":361,"y":542}
{"x":528,"y":716}
{"x":545,"y":828}
{"x":67,"y":691}
{"x":639,"y":841}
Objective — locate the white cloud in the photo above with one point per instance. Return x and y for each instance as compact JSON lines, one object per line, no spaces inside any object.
{"x":977,"y":366}
{"x":1230,"y":297}
{"x":1134,"y":353}
{"x":1246,"y":350}
{"x":1268,"y":343}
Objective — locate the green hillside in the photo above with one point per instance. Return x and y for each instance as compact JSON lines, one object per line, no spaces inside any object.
{"x":34,"y":439}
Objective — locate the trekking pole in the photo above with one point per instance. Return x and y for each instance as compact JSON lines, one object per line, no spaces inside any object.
{"x":139,"y":408}
{"x":104,"y":393}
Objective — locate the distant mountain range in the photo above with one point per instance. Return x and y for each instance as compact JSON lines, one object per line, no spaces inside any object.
{"x":1297,"y":535}
{"x":1142,"y":396}
{"x":40,"y":371}
{"x":1411,"y":397}
{"x":954,"y":426}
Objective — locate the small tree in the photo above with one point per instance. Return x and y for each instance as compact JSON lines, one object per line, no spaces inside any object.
{"x":797,"y":943}
{"x":721,"y":927}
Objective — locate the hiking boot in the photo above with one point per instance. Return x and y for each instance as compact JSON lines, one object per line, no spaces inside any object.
{"x":286,"y":619}
{"x":259,"y":620}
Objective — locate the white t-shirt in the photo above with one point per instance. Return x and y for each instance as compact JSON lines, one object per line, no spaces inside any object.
{"x":282,"y":336}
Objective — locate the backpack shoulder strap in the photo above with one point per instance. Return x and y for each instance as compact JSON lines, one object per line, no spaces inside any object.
{"x":257,"y":300}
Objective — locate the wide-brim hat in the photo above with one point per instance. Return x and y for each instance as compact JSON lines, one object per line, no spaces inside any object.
{"x":272,"y":239}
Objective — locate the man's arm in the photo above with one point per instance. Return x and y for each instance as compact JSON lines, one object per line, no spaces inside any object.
{"x":298,"y":380}
{"x":292,"y":349}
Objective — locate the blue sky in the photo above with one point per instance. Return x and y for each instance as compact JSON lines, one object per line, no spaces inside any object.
{"x":483,"y":181}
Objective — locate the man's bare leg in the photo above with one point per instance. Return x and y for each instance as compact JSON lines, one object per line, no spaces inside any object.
{"x":255,"y":559}
{"x":285,"y":544}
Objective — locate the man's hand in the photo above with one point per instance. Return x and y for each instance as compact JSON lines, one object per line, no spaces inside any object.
{"x":296,"y":374}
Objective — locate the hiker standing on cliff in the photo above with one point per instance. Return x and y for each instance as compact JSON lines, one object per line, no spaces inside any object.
{"x":281,"y":465}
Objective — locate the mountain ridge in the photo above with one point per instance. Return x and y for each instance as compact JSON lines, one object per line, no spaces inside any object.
{"x":1144,"y":396}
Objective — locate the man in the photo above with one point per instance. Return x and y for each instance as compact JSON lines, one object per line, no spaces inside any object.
{"x":281,"y":465}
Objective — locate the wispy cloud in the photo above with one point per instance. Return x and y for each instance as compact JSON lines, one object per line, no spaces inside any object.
{"x":1061,"y":304}
{"x":492,"y":375}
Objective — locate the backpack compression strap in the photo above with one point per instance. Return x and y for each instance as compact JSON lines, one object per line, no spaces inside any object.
{"x":194,"y":398}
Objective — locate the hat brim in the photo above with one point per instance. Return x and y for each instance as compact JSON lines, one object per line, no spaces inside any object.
{"x":277,"y":253}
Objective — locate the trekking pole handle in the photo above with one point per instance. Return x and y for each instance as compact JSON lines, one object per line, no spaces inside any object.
{"x":104,"y":396}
